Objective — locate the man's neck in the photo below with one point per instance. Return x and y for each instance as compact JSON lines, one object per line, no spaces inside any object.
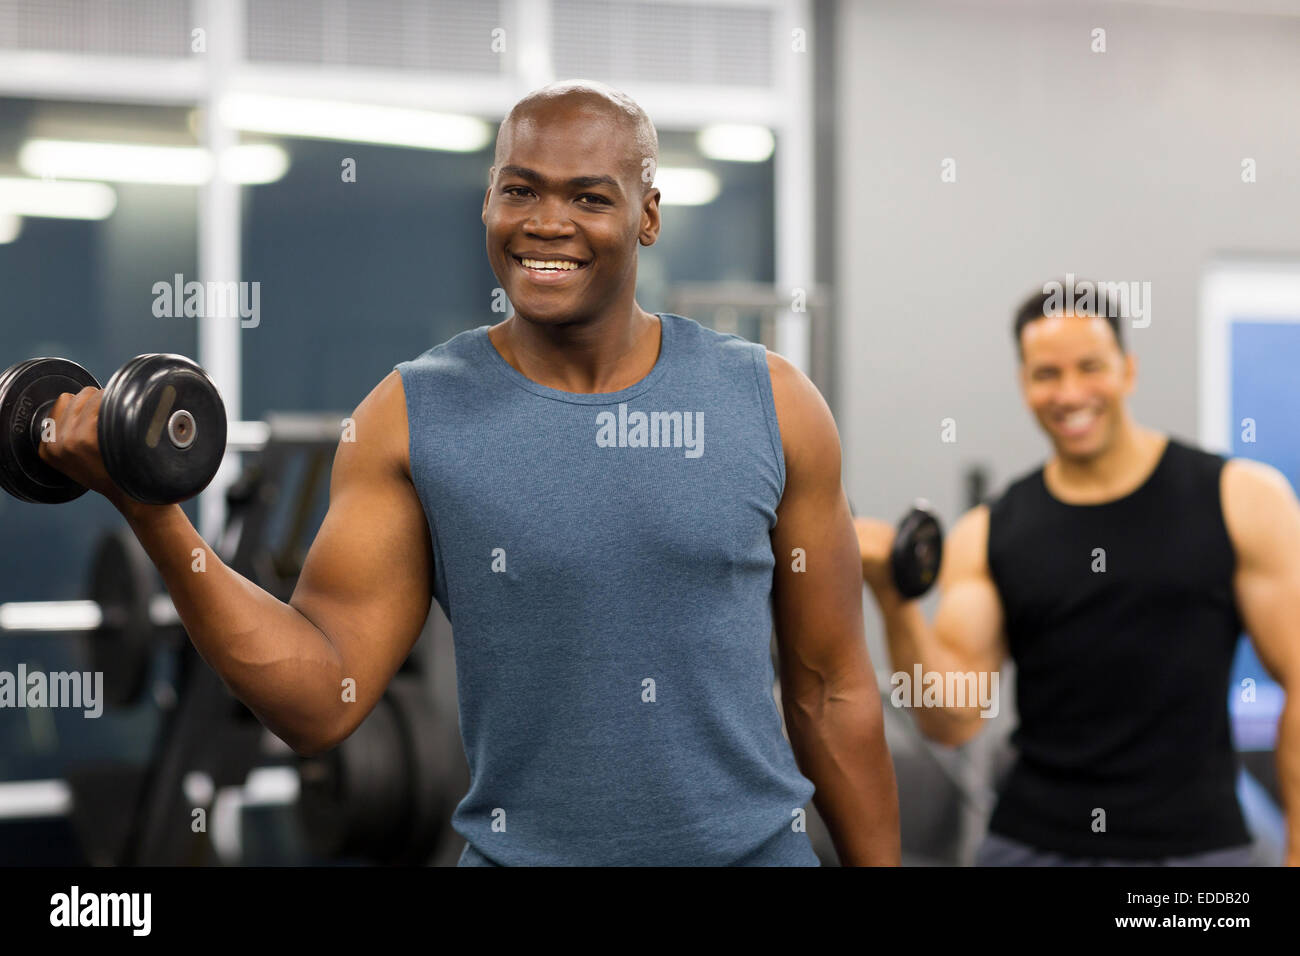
{"x":602,"y":356}
{"x":1119,"y":470}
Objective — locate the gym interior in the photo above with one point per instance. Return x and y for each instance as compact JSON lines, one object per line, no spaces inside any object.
{"x":869,"y":189}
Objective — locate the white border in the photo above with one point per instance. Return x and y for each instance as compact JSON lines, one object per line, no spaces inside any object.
{"x":1230,"y":290}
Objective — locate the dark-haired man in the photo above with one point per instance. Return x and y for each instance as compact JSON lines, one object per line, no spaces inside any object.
{"x":612,"y":568}
{"x":1118,"y":578}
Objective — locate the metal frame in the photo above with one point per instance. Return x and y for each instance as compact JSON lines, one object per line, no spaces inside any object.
{"x":1263,"y":291}
{"x":701,"y":300}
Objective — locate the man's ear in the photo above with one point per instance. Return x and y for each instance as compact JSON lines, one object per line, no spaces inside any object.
{"x":650,"y":221}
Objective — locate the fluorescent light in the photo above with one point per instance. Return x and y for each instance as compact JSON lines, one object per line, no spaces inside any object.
{"x":354,"y":122}
{"x":56,"y":200}
{"x":157,"y":165}
{"x":10,"y":227}
{"x":116,"y":162}
{"x":254,"y":163}
{"x":736,"y":142}
{"x":686,"y":186}
{"x":51,"y":616}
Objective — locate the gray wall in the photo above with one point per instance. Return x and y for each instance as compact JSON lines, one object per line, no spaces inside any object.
{"x":1118,"y":166}
{"x":1123,"y":165}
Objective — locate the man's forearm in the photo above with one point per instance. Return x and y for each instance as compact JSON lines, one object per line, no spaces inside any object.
{"x":909,"y":639}
{"x":1288,"y":772}
{"x":906,"y":630}
{"x":270,"y":656}
{"x":839,"y":741}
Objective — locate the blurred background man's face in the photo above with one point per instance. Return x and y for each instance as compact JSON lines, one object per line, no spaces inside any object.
{"x":1075,"y":379}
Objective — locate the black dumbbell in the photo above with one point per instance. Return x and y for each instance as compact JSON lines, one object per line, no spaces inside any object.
{"x":162,"y":428}
{"x":918,"y":549}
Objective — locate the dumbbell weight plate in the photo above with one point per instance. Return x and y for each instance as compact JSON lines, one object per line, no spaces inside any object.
{"x":25,"y":389}
{"x":430,"y":760}
{"x":917,"y":551}
{"x":354,"y":800}
{"x":162,"y":428}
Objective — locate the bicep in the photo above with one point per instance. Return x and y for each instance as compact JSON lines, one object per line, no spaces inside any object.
{"x":1263,"y":521}
{"x":968,"y":625}
{"x":366,"y":582}
{"x":817,"y":582}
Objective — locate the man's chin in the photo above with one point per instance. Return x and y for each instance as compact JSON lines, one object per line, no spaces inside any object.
{"x":543,"y":313}
{"x":1078,"y":450}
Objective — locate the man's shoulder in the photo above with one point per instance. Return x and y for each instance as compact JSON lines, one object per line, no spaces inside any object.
{"x":1258,"y":502}
{"x":449,"y":369}
{"x":463,"y":347}
{"x":698,"y":336}
{"x":1246,"y":478}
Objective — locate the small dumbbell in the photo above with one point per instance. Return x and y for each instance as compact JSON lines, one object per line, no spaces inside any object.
{"x":162,"y":428}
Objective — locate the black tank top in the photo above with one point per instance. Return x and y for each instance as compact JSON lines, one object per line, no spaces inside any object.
{"x":1121,"y":673}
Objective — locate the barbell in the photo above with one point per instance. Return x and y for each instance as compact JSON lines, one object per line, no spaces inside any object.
{"x":123,"y":619}
{"x":383,"y":795}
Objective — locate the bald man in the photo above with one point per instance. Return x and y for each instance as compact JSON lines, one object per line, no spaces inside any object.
{"x":1118,"y":578}
{"x":613,"y":508}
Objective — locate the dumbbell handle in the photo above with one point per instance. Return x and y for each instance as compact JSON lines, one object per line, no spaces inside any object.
{"x":38,"y":423}
{"x":25,"y":617}
{"x":246,"y":436}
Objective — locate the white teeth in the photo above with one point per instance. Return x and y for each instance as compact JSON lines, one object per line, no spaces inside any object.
{"x":1078,"y":419}
{"x":561,"y":265}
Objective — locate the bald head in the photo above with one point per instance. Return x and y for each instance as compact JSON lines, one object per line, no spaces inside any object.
{"x":576,"y":98}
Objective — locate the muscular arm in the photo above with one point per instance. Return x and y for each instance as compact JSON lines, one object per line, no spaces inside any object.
{"x":967,"y":634}
{"x":360,"y":602}
{"x":828,"y":688}
{"x":1263,"y":520}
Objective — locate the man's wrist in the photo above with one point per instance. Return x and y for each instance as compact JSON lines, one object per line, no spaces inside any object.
{"x":886,"y":596}
{"x":135,"y":512}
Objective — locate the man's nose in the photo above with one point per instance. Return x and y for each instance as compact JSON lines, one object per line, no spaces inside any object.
{"x":1071,"y":391}
{"x":550,"y":217}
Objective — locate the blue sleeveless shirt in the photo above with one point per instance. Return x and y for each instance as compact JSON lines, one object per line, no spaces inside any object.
{"x":606,"y":565}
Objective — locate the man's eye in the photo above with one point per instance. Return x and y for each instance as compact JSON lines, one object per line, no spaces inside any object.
{"x":511,"y":190}
{"x":597,"y":198}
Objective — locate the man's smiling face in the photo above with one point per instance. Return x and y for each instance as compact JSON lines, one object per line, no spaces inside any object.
{"x":1075,"y":379}
{"x":565,"y":210}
